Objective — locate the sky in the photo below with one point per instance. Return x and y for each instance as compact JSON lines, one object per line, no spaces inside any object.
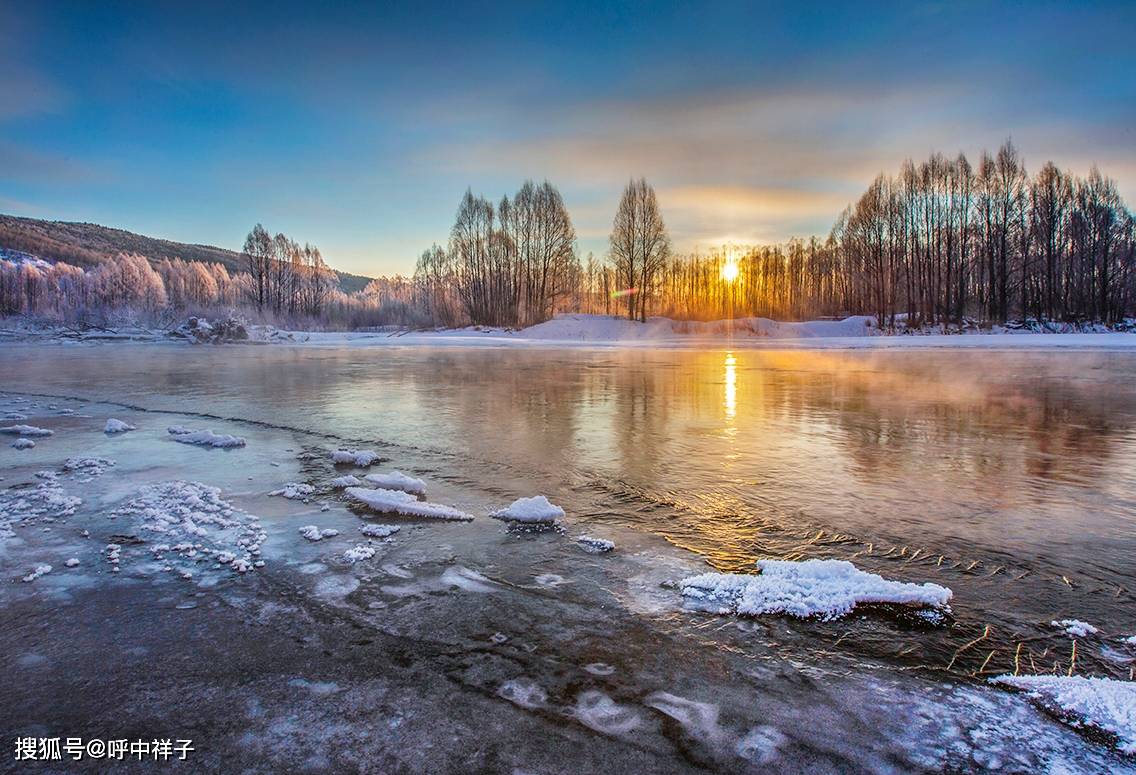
{"x":359,"y":127}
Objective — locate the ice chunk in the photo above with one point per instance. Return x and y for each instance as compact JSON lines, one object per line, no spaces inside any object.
{"x":378,"y":531}
{"x":39,"y":570}
{"x":397,"y":480}
{"x":23,"y":443}
{"x":1101,"y":703}
{"x":398,"y":502}
{"x":594,"y":545}
{"x":73,"y":562}
{"x":828,"y":589}
{"x":313,"y":533}
{"x":534,"y":509}
{"x":355,"y":457}
{"x":359,"y":552}
{"x":205,"y":438}
{"x":343,"y":482}
{"x":26,"y":430}
{"x":118,"y":426}
{"x":294,"y":491}
{"x":1075,"y":627}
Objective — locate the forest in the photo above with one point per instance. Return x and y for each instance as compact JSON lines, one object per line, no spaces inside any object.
{"x":942,"y":243}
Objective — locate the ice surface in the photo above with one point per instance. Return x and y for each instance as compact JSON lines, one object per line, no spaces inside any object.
{"x":26,"y":430}
{"x":524,"y":692}
{"x":396,"y":480}
{"x":828,"y":589}
{"x":343,"y":482}
{"x":118,"y":426}
{"x":356,"y":457}
{"x":398,"y":502}
{"x":313,"y":533}
{"x":23,"y":443}
{"x":294,"y":491}
{"x":1101,"y":703}
{"x":378,"y":531}
{"x":1075,"y":627}
{"x":205,"y":438}
{"x":534,"y":509}
{"x":594,"y":545}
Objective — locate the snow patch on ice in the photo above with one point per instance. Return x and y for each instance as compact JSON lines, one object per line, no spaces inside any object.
{"x":39,"y":570}
{"x":378,"y":531}
{"x":600,"y":712}
{"x":26,"y":430}
{"x":1075,"y":627}
{"x":398,"y":502}
{"x":828,"y":589}
{"x":523,"y":692}
{"x":313,"y":533}
{"x":397,"y":480}
{"x":90,"y":466}
{"x":359,"y":552}
{"x":206,"y":438}
{"x":294,"y":491}
{"x":343,"y":482}
{"x":1100,"y":703}
{"x":699,"y":719}
{"x":534,"y":509}
{"x":118,"y":426}
{"x":23,"y":443}
{"x":594,"y":545}
{"x":356,"y":457}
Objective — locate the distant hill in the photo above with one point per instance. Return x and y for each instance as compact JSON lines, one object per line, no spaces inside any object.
{"x":88,"y":244}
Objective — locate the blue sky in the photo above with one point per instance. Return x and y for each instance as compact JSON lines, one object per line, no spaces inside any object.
{"x":359,"y":128}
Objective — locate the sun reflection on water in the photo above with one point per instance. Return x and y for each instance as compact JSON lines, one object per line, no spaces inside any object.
{"x":731,"y":380}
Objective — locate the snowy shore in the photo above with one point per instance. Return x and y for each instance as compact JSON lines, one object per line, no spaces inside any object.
{"x":604,"y":331}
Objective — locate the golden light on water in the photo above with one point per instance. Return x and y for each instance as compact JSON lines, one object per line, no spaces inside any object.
{"x":731,"y":381}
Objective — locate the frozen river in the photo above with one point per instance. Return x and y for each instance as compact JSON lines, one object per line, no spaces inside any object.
{"x":1009,"y":477}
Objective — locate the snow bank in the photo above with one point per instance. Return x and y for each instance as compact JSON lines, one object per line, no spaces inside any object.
{"x":604,"y":328}
{"x":595,"y":545}
{"x":397,"y":480}
{"x":355,"y":457}
{"x":294,"y":491}
{"x":1076,"y":627}
{"x":1101,"y":703}
{"x":398,"y":502}
{"x":828,"y":589}
{"x":23,"y":443}
{"x":313,"y":533}
{"x":206,"y":438}
{"x":378,"y":531}
{"x":118,"y":426}
{"x":343,"y":482}
{"x":534,"y":509}
{"x":26,"y":430}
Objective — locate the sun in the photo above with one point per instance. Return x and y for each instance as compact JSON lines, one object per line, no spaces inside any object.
{"x":730,"y":271}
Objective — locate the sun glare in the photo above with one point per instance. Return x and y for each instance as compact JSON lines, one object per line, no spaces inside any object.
{"x":730,"y":271}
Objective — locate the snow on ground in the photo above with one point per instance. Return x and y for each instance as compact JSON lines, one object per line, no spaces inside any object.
{"x":196,"y":525}
{"x":26,"y":430}
{"x":398,"y":502}
{"x":295,"y":491}
{"x":397,"y":480}
{"x":828,"y":589}
{"x":313,"y":533}
{"x":23,"y":443}
{"x":1076,"y":627}
{"x":118,"y":426}
{"x":205,"y":438}
{"x":1101,"y":703}
{"x":594,"y":545}
{"x":373,"y":530}
{"x":343,"y":482}
{"x":361,"y":458}
{"x":534,"y":509}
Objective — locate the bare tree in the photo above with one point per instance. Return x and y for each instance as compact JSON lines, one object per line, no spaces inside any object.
{"x":639,"y":245}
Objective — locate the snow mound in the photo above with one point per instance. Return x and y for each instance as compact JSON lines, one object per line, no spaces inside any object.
{"x":118,"y":426}
{"x":828,"y":589}
{"x":534,"y":509}
{"x":1076,"y":627}
{"x":343,"y":482}
{"x":40,"y":570}
{"x":26,"y":430}
{"x":397,"y":480}
{"x":359,"y":552}
{"x":398,"y":502}
{"x":205,"y":438}
{"x":23,"y":443}
{"x":594,"y":545}
{"x":313,"y":533}
{"x":294,"y":491}
{"x":378,"y":531}
{"x":355,"y":457}
{"x":1100,"y":703}
{"x":197,"y":524}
